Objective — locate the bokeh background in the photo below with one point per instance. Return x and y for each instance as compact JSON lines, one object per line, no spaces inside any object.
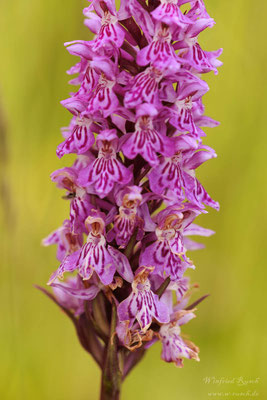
{"x":40,"y":355}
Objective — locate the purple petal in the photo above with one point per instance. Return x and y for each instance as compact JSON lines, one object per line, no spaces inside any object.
{"x":194,"y":229}
{"x":83,"y":294}
{"x":68,"y":265}
{"x":95,"y":257}
{"x":122,"y":264}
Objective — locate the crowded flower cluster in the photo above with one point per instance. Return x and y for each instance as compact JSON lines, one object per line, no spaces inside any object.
{"x":137,"y":130}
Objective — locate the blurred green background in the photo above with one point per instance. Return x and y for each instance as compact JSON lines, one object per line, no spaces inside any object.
{"x":40,"y":355}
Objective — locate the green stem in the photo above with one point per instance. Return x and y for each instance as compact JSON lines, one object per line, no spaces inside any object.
{"x":111,"y":374}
